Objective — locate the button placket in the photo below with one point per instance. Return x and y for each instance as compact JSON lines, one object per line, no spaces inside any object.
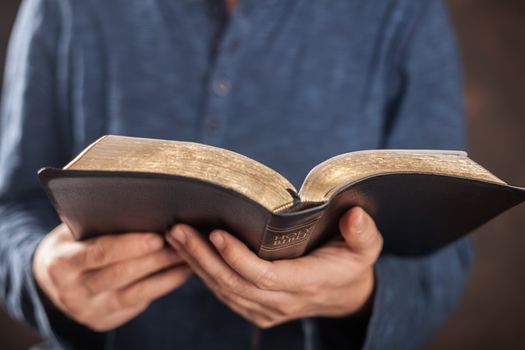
{"x":221,"y":86}
{"x":222,"y":81}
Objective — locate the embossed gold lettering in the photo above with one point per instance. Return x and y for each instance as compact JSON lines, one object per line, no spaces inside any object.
{"x":290,"y":237}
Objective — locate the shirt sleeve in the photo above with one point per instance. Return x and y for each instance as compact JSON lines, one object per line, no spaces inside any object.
{"x":34,"y":132}
{"x":414,"y":295}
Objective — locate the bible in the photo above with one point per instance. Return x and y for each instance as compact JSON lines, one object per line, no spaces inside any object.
{"x":421,"y":200}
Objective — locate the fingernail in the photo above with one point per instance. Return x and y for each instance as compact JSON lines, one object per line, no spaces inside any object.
{"x":358,"y":224}
{"x":179,"y":235}
{"x":154,"y":242}
{"x":217,"y":239}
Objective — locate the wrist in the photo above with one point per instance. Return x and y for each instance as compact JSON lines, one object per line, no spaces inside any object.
{"x":351,"y":327}
{"x":367,"y":292}
{"x":358,"y":298}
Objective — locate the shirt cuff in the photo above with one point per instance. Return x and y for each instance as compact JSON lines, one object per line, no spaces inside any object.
{"x":414,"y":296}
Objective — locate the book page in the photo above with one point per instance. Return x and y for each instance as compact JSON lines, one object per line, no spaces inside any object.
{"x":212,"y":164}
{"x":341,"y":170}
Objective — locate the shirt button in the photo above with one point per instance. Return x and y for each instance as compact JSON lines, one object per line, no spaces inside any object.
{"x":222,"y":86}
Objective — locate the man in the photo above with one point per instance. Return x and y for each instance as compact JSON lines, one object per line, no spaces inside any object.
{"x":289,"y":83}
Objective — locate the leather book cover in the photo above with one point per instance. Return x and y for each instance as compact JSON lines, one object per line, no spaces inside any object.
{"x":417,"y":213}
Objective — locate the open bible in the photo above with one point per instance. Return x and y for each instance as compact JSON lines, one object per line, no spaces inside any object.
{"x":420,"y":200}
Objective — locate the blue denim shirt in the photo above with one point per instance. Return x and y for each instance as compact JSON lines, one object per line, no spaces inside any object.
{"x":286,"y":82}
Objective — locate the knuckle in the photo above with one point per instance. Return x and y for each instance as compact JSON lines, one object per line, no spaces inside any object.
{"x":235,"y":260}
{"x":266,"y":280}
{"x":141,"y":308}
{"x":56,"y":267}
{"x":96,"y":253}
{"x":69,"y":299}
{"x":91,"y":286}
{"x":318,"y":298}
{"x":98,"y":326}
{"x":121,"y":270}
{"x":120,"y":300}
{"x":179,"y":278}
{"x":229,"y":282}
{"x":130,"y":298}
{"x":287,"y":310}
{"x":192,"y":247}
{"x":264,"y":323}
{"x":312,"y":288}
{"x":226,"y":298}
{"x":94,"y":284}
{"x":85,"y":317}
{"x":93,"y":322}
{"x":186,"y":275}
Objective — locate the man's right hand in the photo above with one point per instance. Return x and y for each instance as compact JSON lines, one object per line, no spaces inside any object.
{"x":106,"y":281}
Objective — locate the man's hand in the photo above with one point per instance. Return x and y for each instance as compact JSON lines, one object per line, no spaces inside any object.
{"x":106,"y":281}
{"x":335,"y":280}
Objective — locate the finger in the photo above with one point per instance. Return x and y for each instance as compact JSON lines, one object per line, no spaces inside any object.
{"x":256,"y":308}
{"x":121,"y":274}
{"x":62,"y":233}
{"x":261,"y":320}
{"x":204,"y":261}
{"x":223,"y":280}
{"x":286,"y":275}
{"x":199,"y":253}
{"x":150,"y":288}
{"x":117,"y":318}
{"x":245,"y":262}
{"x":208,"y":280}
{"x":258,"y":301}
{"x":106,"y":250}
{"x":360,"y":232}
{"x":212,"y":269}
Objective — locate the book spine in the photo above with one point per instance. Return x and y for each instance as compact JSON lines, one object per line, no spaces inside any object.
{"x":287,"y":236}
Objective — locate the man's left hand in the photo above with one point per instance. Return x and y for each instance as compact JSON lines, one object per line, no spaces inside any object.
{"x":334,"y":280}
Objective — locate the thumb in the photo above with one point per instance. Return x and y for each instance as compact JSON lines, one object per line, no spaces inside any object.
{"x":360,"y":232}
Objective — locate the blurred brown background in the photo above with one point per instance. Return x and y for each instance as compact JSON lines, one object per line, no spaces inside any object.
{"x":491,"y":35}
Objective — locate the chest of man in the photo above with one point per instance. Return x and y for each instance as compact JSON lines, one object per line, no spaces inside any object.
{"x":289,"y":83}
